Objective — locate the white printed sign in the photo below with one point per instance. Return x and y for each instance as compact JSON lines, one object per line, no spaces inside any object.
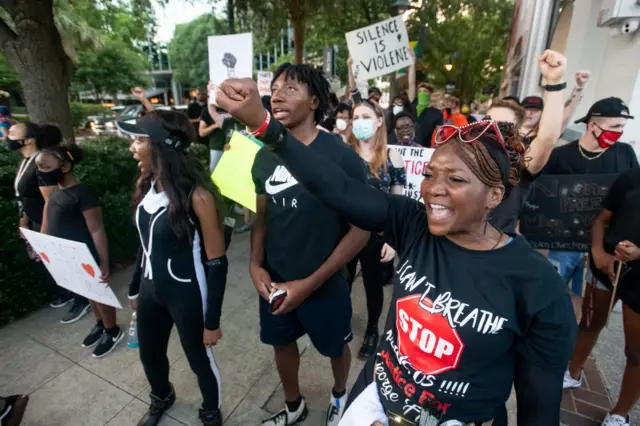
{"x":379,"y":49}
{"x":72,"y":266}
{"x":264,"y":82}
{"x":415,"y":162}
{"x":230,"y":56}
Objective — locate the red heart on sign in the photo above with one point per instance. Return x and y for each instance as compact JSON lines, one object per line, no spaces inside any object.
{"x":89,"y":270}
{"x":45,"y":257}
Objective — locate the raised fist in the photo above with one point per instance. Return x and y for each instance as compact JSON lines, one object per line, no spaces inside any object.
{"x":552,"y":66}
{"x":241,"y":99}
{"x":137,"y":92}
{"x":582,"y":78}
{"x":228,"y":60}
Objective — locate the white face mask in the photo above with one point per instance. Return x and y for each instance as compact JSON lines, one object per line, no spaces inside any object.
{"x":341,"y":124}
{"x":397,"y":109}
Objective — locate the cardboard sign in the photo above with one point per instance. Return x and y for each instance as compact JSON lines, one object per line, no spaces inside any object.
{"x":264,"y":82}
{"x":72,"y":266}
{"x":232,"y":175}
{"x":415,"y":161}
{"x":561,"y":208}
{"x":230,"y":56}
{"x":379,"y":49}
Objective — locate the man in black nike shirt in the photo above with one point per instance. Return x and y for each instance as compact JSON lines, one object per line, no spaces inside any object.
{"x":301,"y":244}
{"x":596,"y":152}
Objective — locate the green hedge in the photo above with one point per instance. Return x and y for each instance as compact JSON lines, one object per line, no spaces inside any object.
{"x":110,"y":172}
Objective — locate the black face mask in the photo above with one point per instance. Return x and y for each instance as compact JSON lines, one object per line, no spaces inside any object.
{"x":15,"y":145}
{"x":51,"y":178}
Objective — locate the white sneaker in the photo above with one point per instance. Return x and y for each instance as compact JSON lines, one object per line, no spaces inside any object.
{"x":569,"y":382}
{"x":336,"y":409}
{"x":615,"y":420}
{"x":286,"y":417}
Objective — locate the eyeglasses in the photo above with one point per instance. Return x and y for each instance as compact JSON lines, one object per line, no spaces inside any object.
{"x":470,"y":133}
{"x":404,"y":128}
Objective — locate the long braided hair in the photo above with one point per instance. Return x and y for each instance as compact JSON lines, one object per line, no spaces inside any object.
{"x":483,"y":165}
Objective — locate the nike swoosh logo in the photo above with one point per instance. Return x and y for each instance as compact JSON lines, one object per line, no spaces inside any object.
{"x":273,"y":189}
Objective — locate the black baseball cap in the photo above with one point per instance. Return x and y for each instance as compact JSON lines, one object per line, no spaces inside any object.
{"x":608,"y":107}
{"x":532,"y":102}
{"x":148,"y":127}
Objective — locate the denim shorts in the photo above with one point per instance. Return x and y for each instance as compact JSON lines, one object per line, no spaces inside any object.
{"x":570,"y":266}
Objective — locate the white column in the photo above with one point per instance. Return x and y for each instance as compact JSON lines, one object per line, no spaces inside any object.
{"x":535,"y":47}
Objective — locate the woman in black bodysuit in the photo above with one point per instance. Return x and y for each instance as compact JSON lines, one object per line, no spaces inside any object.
{"x":182,"y":266}
{"x":475,"y":311}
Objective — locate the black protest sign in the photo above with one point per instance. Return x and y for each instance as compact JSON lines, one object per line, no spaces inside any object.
{"x":561,"y":208}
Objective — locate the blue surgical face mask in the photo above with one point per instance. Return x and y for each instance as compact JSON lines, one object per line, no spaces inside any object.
{"x":364,"y":129}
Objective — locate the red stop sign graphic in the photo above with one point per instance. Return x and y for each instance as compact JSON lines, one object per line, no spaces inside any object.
{"x":427,"y":339}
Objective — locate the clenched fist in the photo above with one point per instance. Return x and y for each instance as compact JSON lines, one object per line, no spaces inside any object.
{"x":582,"y":78}
{"x":241,"y":99}
{"x":552,"y":66}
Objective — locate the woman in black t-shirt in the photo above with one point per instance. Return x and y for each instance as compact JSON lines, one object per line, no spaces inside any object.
{"x":28,"y":139}
{"x":182,"y":267}
{"x":385,"y":172}
{"x":73,"y":213}
{"x":474,"y":311}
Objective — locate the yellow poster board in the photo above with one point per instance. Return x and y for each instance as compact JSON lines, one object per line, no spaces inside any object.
{"x":233,"y":173}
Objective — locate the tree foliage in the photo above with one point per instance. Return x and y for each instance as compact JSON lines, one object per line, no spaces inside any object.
{"x":113,"y":68}
{"x":9,"y":80}
{"x":188,"y":49}
{"x":471,"y":34}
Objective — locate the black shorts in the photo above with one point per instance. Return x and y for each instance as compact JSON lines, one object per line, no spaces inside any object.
{"x":327,"y":321}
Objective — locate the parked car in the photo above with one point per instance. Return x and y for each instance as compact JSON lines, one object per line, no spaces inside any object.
{"x":101,"y":124}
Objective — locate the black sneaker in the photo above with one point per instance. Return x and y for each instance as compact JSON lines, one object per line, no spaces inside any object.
{"x":107,"y":343}
{"x":61,"y":301}
{"x":157,"y":408}
{"x":210,"y":418}
{"x":93,"y":337}
{"x":12,"y":409}
{"x":369,"y":345}
{"x":77,"y":311}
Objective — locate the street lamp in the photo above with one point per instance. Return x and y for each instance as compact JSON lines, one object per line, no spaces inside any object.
{"x":401,"y":6}
{"x":448,"y":67}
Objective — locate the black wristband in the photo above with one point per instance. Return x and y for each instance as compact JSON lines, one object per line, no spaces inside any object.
{"x":274,"y":135}
{"x":555,"y":87}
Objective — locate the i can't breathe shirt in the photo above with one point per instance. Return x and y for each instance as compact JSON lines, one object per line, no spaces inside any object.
{"x":459,"y":320}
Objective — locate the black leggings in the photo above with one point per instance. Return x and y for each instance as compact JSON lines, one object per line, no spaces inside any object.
{"x":160,"y":305}
{"x":373,"y":276}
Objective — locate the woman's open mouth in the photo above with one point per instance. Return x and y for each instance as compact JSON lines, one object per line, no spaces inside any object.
{"x":438,"y":211}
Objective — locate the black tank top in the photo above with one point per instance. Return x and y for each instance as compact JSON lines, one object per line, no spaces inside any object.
{"x":167,"y":258}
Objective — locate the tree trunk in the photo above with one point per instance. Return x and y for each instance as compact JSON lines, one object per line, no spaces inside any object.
{"x":231,"y":17}
{"x":298,"y":40}
{"x":296,"y":9}
{"x":36,"y":52}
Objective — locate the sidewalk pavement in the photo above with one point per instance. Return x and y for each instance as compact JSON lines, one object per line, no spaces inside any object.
{"x":68,"y":387}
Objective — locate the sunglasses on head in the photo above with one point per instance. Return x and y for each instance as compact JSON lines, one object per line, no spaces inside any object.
{"x":471,"y":133}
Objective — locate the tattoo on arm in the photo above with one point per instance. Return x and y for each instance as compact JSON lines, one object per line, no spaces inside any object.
{"x":574,"y":94}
